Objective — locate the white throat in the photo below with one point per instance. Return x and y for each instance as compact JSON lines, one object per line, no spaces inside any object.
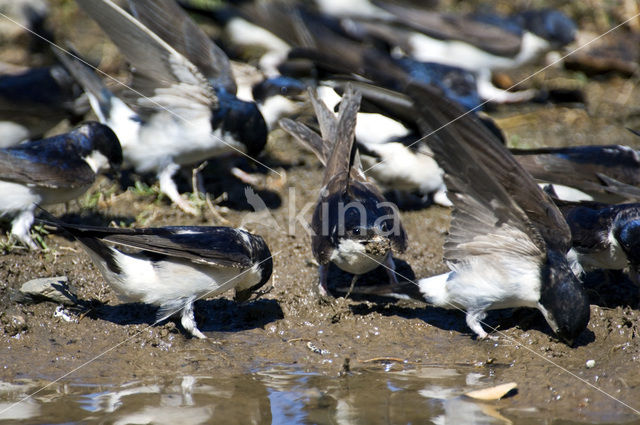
{"x":97,"y":161}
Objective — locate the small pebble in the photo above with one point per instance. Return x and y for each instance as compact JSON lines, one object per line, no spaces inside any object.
{"x":13,"y":323}
{"x":316,"y":350}
{"x":54,"y":289}
{"x":591,"y":364}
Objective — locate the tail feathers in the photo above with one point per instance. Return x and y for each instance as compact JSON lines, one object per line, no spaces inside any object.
{"x":334,"y":148}
{"x":434,"y":289}
{"x":342,"y":155}
{"x":306,"y":136}
{"x":88,"y":237}
{"x":99,"y":95}
{"x":326,"y":118}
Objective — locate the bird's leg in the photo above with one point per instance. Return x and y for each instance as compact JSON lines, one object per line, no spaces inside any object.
{"x":440,"y":197}
{"x":390,"y":267}
{"x":474,"y":317}
{"x":323,"y":276}
{"x":168,"y":187}
{"x":354,"y":279}
{"x":21,"y":225}
{"x":189,"y":322}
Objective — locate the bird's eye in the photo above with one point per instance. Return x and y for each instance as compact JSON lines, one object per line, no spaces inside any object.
{"x":356,"y":231}
{"x":283,"y":90}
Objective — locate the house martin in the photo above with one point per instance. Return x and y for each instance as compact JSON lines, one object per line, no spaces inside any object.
{"x":35,"y":100}
{"x":604,"y":236}
{"x":53,"y":170}
{"x":185,"y":109}
{"x":480,"y":43}
{"x":172,"y":267}
{"x":507,"y":245}
{"x":353,"y":226}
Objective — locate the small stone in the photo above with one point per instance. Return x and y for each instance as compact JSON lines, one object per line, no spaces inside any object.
{"x":591,"y":364}
{"x":54,"y":289}
{"x":13,"y":323}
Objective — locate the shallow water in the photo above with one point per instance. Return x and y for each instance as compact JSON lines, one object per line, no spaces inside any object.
{"x":278,"y":395}
{"x":273,"y":396}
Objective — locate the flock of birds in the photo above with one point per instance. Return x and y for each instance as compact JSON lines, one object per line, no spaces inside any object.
{"x":397,"y":92}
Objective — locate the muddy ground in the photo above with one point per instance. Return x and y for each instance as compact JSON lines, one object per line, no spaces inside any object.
{"x":103,"y":338}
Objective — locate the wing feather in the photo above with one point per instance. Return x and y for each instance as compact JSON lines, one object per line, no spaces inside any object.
{"x":31,"y":165}
{"x":171,"y":23}
{"x":486,"y":156}
{"x":160,"y":72}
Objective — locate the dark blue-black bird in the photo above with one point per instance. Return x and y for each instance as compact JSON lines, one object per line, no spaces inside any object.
{"x":185,"y":105}
{"x":353,"y":226}
{"x":480,"y":43}
{"x":34,"y":101}
{"x":507,"y":245}
{"x":604,"y":236}
{"x":53,"y":170}
{"x":604,"y":173}
{"x":278,"y":97}
{"x":172,"y":267}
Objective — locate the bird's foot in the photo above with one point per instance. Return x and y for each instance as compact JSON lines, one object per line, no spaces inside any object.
{"x":490,"y":337}
{"x":188,"y":322}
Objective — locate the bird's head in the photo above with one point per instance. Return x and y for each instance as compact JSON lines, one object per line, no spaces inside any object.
{"x":263,"y":262}
{"x":563,"y":300}
{"x":288,"y":87}
{"x":242,"y":120}
{"x":627,"y":232}
{"x":98,"y":145}
{"x":551,"y":25}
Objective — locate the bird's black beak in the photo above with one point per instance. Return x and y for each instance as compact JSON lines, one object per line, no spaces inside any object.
{"x":242,"y":295}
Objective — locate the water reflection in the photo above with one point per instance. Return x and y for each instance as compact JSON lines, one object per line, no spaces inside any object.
{"x":279,"y":395}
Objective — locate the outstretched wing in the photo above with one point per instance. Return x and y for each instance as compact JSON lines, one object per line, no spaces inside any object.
{"x":163,"y":76}
{"x":547,"y":225}
{"x":170,"y":22}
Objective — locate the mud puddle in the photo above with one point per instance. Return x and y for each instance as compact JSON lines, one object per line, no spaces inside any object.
{"x":279,"y":395}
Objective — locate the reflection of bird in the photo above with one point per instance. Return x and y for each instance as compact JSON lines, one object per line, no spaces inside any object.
{"x":186,"y":109}
{"x":604,"y":236}
{"x":34,"y":101}
{"x":353,"y":226}
{"x":508,"y":242}
{"x":53,"y":170}
{"x":175,"y":266}
{"x":607,"y":173}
